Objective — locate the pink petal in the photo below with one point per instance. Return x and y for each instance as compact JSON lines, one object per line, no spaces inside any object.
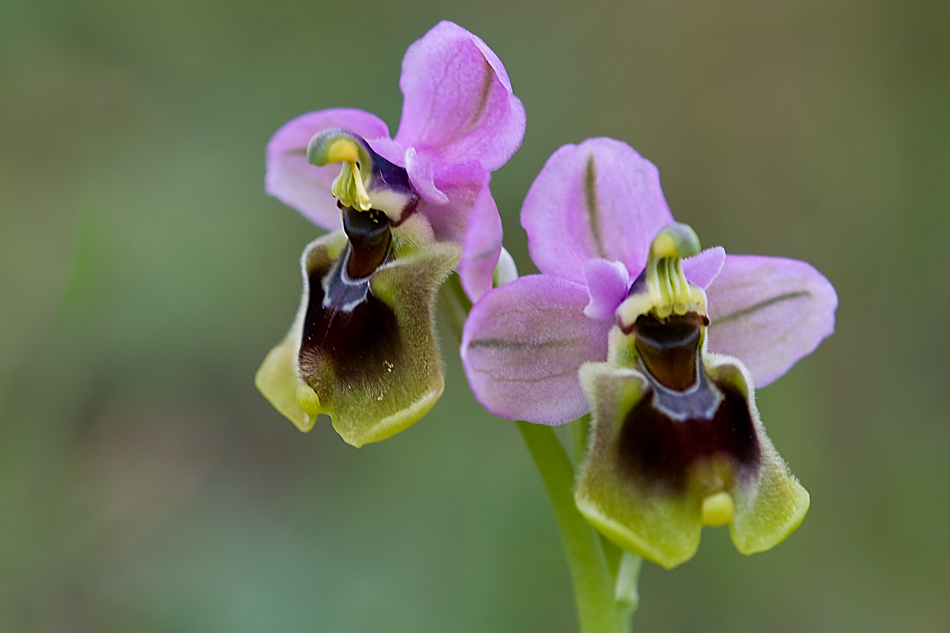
{"x":608,"y":284}
{"x":482,"y":246}
{"x":769,"y":312}
{"x":458,"y":102}
{"x":596,"y":200}
{"x":388,"y":149}
{"x":523,"y":344}
{"x":461,"y":185}
{"x":703,"y":268}
{"x":419,"y":167}
{"x":305,"y":187}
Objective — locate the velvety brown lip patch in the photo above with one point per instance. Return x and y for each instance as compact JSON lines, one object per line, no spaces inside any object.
{"x":659,"y":452}
{"x":360,"y":343}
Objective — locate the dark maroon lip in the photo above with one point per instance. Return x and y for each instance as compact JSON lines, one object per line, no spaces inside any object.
{"x":353,"y":329}
{"x":687,"y":418}
{"x":660,"y":452}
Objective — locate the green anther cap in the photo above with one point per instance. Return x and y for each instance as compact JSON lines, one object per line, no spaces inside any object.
{"x":337,"y":145}
{"x":665,"y":289}
{"x":675,"y":240}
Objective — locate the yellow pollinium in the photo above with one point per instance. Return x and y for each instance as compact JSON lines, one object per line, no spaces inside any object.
{"x":339,"y":146}
{"x":664,"y":245}
{"x":350,"y":180}
{"x":343,"y":150}
{"x":667,"y":290}
{"x":718,"y":509}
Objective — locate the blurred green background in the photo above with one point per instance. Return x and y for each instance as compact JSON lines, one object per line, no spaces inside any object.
{"x":146,"y":486}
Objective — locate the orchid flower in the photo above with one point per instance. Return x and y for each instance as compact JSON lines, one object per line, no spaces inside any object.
{"x":662,"y":343}
{"x":411,"y":208}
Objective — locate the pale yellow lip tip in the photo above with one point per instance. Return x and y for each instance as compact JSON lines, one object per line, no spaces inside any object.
{"x":718,"y":509}
{"x":308,"y":400}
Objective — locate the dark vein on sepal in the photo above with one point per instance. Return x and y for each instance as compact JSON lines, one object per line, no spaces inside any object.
{"x":486,"y":90}
{"x":500,"y":343}
{"x":475,"y":119}
{"x":505,"y":377}
{"x":761,"y":305}
{"x":593,"y":211}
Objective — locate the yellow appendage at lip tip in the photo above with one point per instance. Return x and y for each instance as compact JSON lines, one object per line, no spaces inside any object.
{"x":718,"y":509}
{"x":308,"y":400}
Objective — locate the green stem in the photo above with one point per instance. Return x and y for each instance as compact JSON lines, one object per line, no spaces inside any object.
{"x":604,"y":578}
{"x":597,"y":609}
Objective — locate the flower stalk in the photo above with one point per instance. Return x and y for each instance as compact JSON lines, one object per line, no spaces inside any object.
{"x":603,"y":577}
{"x":599,"y":607}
